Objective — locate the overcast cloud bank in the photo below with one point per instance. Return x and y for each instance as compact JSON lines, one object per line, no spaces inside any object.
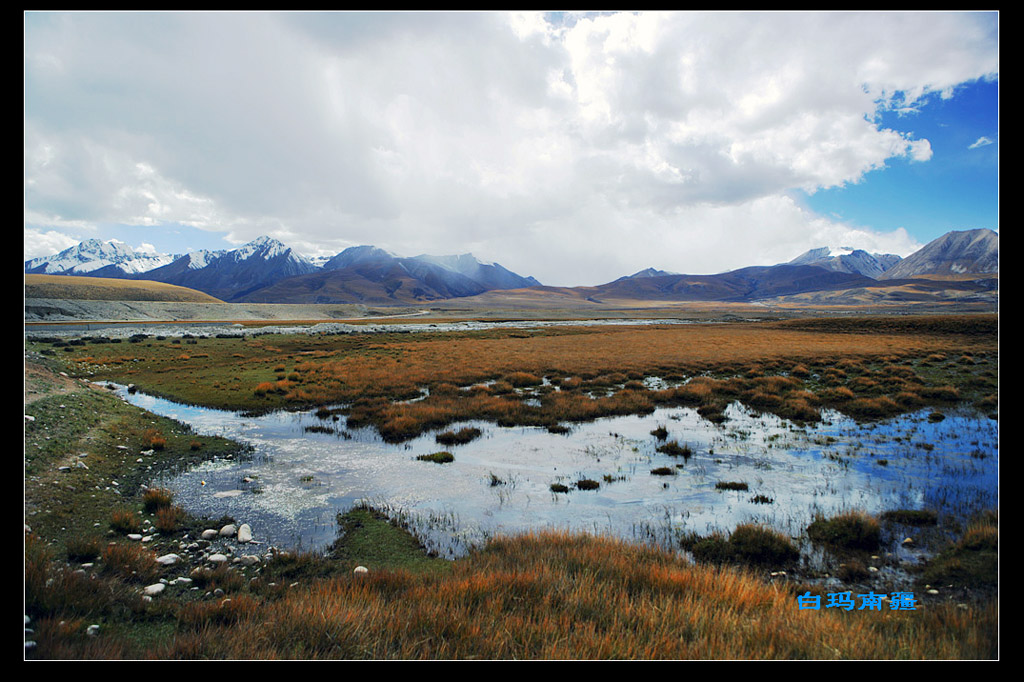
{"x":574,"y":149}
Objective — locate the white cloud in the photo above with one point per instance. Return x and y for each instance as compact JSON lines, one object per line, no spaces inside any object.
{"x":562,"y":147}
{"x":981,"y":142}
{"x":39,"y":243}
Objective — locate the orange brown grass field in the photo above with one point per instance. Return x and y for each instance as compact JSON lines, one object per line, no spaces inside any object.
{"x":873,"y":367}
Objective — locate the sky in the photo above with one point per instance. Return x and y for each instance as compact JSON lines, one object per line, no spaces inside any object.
{"x":572,"y":147}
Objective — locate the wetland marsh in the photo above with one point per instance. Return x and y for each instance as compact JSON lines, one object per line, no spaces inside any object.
{"x":811,"y":417}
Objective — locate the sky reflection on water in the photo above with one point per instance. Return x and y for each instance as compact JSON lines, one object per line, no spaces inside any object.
{"x":296,"y":481}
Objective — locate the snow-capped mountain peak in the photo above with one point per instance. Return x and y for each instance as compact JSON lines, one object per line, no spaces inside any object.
{"x":262,"y":247}
{"x":92,"y":255}
{"x":847,"y":259}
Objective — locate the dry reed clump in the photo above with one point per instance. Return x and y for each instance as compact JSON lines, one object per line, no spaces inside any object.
{"x":460,"y":437}
{"x":945,"y":394}
{"x":840,"y":394}
{"x":522,"y":379}
{"x":130,"y":562}
{"x":872,"y":408}
{"x":908,"y":400}
{"x":169,"y":519}
{"x":125,"y":521}
{"x":156,"y":498}
{"x":83,"y":548}
{"x":980,"y":535}
{"x":153,"y":439}
{"x":848,"y":530}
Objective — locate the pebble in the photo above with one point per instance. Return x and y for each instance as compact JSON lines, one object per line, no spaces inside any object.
{"x":154,"y":589}
{"x":244,"y":533}
{"x":168,"y":559}
{"x":228,"y":530}
{"x":217,"y":558}
{"x":360,"y":570}
{"x":209,"y":534}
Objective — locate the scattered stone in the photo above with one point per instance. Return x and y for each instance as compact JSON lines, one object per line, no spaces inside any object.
{"x":908,"y":542}
{"x":228,"y":530}
{"x":92,"y":630}
{"x":134,"y":536}
{"x":360,"y":570}
{"x":244,"y":533}
{"x":249,"y":560}
{"x":217,"y":558}
{"x":154,"y":589}
{"x":209,"y":534}
{"x":168,"y":559}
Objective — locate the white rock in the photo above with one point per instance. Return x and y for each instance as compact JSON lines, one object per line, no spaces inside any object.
{"x":209,"y":534}
{"x":92,"y":630}
{"x":168,"y":559}
{"x":249,"y":560}
{"x":360,"y":570}
{"x":228,"y":530}
{"x":154,"y":589}
{"x":217,"y":558}
{"x":244,"y":533}
{"x":134,"y":536}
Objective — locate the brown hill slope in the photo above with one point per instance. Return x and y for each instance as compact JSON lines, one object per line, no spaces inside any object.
{"x":104,"y":289}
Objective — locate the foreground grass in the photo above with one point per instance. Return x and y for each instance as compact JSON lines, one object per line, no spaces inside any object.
{"x":544,"y":596}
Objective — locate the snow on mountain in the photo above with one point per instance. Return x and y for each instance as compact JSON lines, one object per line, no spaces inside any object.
{"x":846,"y":259}
{"x":358,"y":254}
{"x":954,"y":253}
{"x":93,"y":255}
{"x":202,"y":258}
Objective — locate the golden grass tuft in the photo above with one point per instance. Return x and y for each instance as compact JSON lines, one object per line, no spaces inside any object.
{"x":561,"y":596}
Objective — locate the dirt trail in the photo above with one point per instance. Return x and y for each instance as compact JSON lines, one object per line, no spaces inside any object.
{"x":41,"y":382}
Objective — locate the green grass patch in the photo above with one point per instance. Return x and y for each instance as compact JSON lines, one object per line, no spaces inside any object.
{"x":442,"y":457}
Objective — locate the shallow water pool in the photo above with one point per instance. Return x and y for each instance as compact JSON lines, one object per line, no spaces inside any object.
{"x":296,"y":480}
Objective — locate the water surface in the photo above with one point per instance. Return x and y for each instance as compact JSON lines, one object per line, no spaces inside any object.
{"x":297,"y":481}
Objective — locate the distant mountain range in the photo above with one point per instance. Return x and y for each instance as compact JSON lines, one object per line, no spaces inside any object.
{"x":267,"y":271}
